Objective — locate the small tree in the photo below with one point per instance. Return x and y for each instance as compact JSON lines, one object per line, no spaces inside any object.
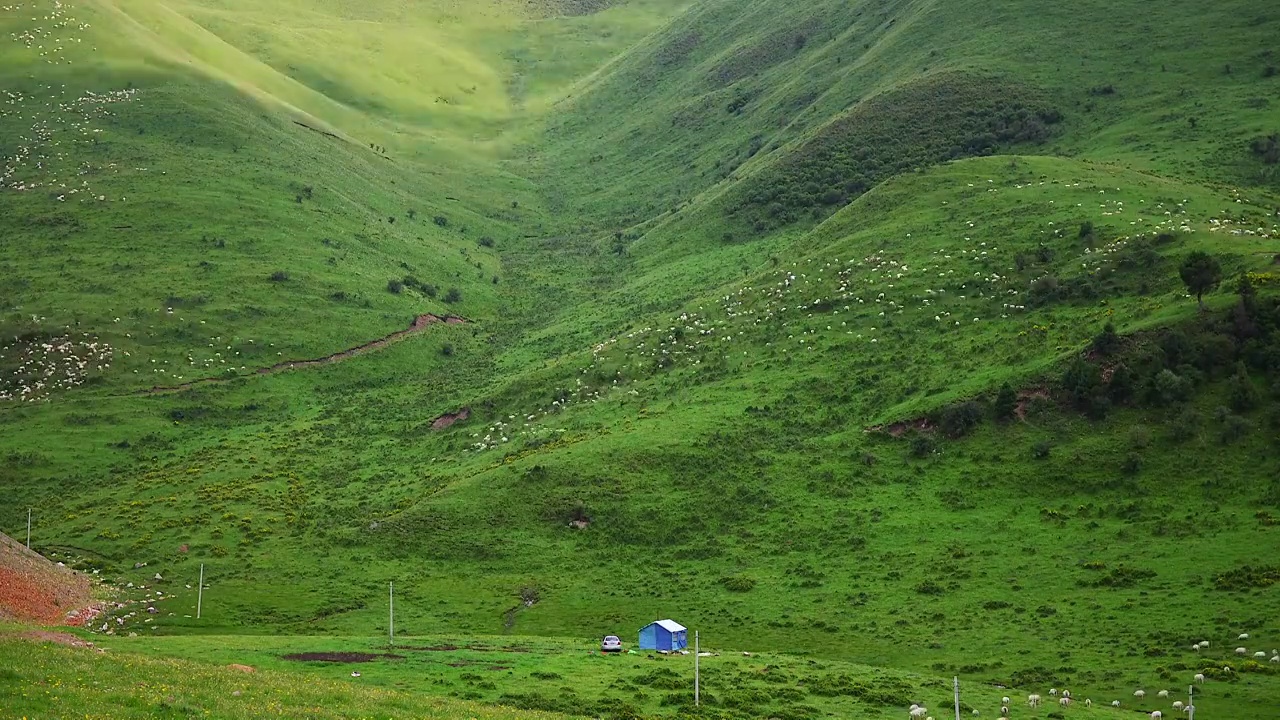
{"x":1006,"y":402}
{"x":1243,"y":394}
{"x":453,"y":295}
{"x":1107,"y":341}
{"x":1200,"y":273}
{"x":395,"y":286}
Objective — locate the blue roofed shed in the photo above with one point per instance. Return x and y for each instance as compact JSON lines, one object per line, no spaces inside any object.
{"x":663,"y":635}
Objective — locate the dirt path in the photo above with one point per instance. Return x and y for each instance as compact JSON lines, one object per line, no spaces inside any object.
{"x":419,"y":324}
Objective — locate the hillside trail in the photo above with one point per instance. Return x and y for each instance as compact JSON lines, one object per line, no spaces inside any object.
{"x":419,"y":324}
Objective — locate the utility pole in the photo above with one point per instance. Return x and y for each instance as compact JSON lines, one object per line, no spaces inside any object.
{"x":391,"y":611}
{"x":1191,"y":702}
{"x":956,"y":681}
{"x":697,"y":677}
{"x":200,"y":593}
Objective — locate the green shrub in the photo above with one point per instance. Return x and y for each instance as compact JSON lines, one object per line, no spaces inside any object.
{"x":279,"y":276}
{"x":1132,"y":464}
{"x":1041,"y":449}
{"x":453,"y":295}
{"x":737,"y":583}
{"x":395,"y":286}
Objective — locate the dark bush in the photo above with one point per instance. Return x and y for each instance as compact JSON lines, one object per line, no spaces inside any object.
{"x":446,"y":350}
{"x":440,"y":220}
{"x":279,"y":276}
{"x":1041,"y":449}
{"x":1043,"y":291}
{"x":923,"y":445}
{"x":395,"y":286}
{"x":1242,"y":393}
{"x":1006,"y":402}
{"x":1185,"y":426}
{"x":959,"y":419}
{"x":453,"y":295}
{"x":1132,"y":464}
{"x":1234,"y":428}
{"x":1107,"y":342}
{"x":486,"y":241}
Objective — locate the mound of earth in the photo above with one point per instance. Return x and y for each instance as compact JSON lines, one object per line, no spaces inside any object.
{"x":34,"y":589}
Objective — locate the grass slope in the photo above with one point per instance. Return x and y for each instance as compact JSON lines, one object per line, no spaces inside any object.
{"x":655,"y":354}
{"x":59,"y":681}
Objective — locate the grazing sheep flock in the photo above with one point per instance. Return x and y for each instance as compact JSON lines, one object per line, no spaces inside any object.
{"x":1065,"y":700}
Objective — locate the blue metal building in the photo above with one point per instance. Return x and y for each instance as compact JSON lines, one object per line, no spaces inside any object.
{"x":663,"y":635}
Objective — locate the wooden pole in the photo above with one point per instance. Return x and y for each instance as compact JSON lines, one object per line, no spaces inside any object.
{"x":956,"y":681}
{"x":697,"y":677}
{"x":200,"y":593}
{"x":391,"y":610}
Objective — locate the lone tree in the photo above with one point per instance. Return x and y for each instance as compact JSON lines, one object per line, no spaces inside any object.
{"x":1200,"y":273}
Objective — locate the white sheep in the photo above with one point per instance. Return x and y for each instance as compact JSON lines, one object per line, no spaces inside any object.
{"x":1177,"y":705}
{"x":1260,"y":654}
{"x":1053,"y":692}
{"x":1115,"y":703}
{"x":1156,"y":715}
{"x":1204,"y":644}
{"x":1004,"y":711}
{"x":1139,"y":694}
{"x":976,"y":713}
{"x":1066,"y":693}
{"x":1064,"y":701}
{"x":1033,"y":700}
{"x":1241,"y":651}
{"x":918,"y":712}
{"x":1275,"y":658}
{"x":1163,"y":694}
{"x":1004,"y":700}
{"x":1199,"y":678}
{"x":1088,"y":702}
{"x":1243,"y":636}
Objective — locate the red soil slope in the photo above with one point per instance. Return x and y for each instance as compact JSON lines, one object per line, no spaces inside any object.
{"x":33,"y":589}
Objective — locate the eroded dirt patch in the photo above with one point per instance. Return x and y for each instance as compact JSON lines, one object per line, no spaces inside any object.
{"x":33,"y":589}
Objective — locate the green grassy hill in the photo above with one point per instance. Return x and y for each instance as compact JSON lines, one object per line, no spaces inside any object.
{"x":782,"y":319}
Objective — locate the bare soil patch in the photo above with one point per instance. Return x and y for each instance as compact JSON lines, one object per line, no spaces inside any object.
{"x":341,"y":657}
{"x":34,"y":589}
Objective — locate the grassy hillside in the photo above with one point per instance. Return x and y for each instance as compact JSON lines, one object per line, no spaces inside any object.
{"x":787,"y":321}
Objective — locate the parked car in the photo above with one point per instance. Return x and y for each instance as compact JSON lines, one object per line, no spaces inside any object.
{"x":611,"y":643}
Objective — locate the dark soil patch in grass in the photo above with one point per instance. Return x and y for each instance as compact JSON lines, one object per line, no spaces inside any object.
{"x":341,"y":657}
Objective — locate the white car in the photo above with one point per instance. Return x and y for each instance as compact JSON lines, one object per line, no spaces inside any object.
{"x":611,"y":643}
